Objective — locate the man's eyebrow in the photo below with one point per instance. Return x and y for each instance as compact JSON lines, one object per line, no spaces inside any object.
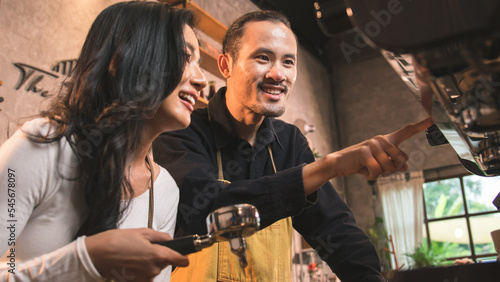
{"x":291,"y":56}
{"x":269,"y":51}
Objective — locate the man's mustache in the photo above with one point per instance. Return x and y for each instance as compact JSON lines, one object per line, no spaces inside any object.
{"x":262,"y":84}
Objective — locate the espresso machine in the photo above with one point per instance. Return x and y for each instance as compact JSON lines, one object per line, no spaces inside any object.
{"x":448,"y":53}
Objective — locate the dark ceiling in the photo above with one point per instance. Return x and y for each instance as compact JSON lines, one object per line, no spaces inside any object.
{"x":313,"y":33}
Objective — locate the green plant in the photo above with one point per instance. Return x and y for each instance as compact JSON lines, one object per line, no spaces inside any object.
{"x":316,"y":154}
{"x":425,"y":256}
{"x":380,"y":239}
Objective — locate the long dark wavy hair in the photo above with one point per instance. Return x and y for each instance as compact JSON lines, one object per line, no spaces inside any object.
{"x":132,"y":59}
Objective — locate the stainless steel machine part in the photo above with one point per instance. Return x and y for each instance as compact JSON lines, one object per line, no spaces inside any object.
{"x":231,"y":223}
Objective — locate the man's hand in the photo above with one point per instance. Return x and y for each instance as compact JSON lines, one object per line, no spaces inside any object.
{"x":377,"y":156}
{"x":403,"y":134}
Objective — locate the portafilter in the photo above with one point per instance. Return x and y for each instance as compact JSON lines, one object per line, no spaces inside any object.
{"x":231,"y":223}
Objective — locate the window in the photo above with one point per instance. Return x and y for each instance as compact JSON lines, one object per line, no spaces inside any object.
{"x":460,"y":215}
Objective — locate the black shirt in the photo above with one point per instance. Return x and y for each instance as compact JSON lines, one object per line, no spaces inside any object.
{"x":323,"y":219}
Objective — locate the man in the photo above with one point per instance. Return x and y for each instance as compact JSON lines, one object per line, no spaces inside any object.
{"x":236,"y":152}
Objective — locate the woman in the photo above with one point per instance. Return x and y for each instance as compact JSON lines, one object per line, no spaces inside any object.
{"x":85,"y":168}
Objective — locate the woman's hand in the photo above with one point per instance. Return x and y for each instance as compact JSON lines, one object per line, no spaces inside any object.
{"x":122,"y":253}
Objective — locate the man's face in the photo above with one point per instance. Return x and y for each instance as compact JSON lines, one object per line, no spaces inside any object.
{"x":263,"y":75}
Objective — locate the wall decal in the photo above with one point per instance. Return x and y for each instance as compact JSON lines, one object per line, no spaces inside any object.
{"x":32,"y":75}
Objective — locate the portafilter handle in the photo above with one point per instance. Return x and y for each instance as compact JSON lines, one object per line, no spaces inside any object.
{"x":188,"y":244}
{"x":195,"y":243}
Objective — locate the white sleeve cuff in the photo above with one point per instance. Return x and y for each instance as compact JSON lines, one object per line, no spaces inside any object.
{"x":81,"y":249}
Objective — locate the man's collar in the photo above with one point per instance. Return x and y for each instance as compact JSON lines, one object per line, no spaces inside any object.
{"x":218,"y":115}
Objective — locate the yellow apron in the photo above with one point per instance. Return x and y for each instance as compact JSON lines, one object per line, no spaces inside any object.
{"x":268,"y":253}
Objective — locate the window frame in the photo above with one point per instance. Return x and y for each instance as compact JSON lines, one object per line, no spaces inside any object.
{"x":466,"y":215}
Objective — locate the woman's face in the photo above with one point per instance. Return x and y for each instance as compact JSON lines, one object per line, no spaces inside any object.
{"x":175,"y":111}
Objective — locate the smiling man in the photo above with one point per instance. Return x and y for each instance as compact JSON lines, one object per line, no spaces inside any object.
{"x":235,"y":151}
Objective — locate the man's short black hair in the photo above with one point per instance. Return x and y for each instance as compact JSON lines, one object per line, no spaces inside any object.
{"x":232,"y":43}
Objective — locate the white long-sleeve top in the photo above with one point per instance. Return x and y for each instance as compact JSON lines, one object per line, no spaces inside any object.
{"x":42,"y":207}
